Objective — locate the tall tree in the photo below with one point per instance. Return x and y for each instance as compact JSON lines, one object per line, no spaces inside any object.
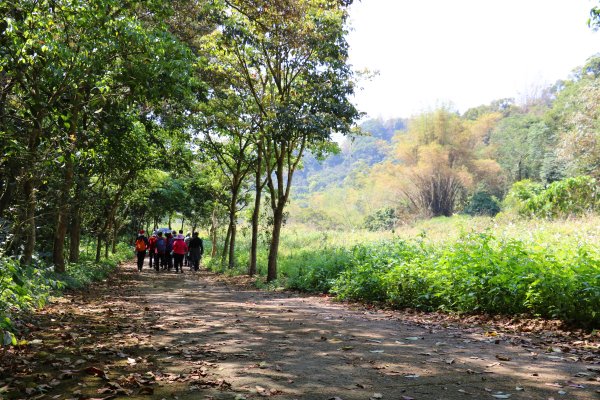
{"x":522,"y":142}
{"x":291,"y":56}
{"x":230,"y":129}
{"x":77,"y":77}
{"x":576,"y":118}
{"x":441,"y":154}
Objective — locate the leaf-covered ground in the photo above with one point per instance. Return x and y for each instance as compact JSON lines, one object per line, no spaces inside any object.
{"x":203,"y":336}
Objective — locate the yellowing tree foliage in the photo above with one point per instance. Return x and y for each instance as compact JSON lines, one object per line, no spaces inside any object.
{"x":441,"y":156}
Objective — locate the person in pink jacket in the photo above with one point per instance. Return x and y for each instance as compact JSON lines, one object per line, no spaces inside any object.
{"x":179,"y":250}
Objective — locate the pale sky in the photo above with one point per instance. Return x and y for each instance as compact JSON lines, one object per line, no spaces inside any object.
{"x":464,"y":52}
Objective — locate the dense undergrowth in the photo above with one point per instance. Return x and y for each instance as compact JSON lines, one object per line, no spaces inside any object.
{"x":478,"y":273}
{"x":25,"y":289}
{"x":549,"y":269}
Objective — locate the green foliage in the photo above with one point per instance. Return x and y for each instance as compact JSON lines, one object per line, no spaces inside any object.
{"x":292,"y":67}
{"x":315,"y":270}
{"x":524,"y":142}
{"x":26,"y":288}
{"x":88,"y":271}
{"x":478,"y":273}
{"x":367,"y":276}
{"x":576,"y":116}
{"x":504,"y":266}
{"x":21,"y":289}
{"x":382,"y":219}
{"x":520,"y":193}
{"x":561,"y":199}
{"x":482,"y":203}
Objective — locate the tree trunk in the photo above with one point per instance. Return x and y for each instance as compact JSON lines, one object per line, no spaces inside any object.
{"x":98,"y":248}
{"x":226,"y":246}
{"x":232,"y":246}
{"x":106,"y":246}
{"x":213,"y":233}
{"x":117,"y":227}
{"x":8,"y":188}
{"x":62,"y":220}
{"x":182,"y":221}
{"x":232,"y":225}
{"x":274,"y":247}
{"x":75,"y":233}
{"x":29,"y":223}
{"x":29,"y":193}
{"x":110,"y":215}
{"x":255,"y":217}
{"x":252,"y":269}
{"x":65,"y":200}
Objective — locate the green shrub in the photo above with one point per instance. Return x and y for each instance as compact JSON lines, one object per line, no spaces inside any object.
{"x":24,"y":289}
{"x":20,"y":289}
{"x":482,"y":203}
{"x":541,"y":268}
{"x":520,"y":193}
{"x":367,"y":276}
{"x":380,"y":220}
{"x":566,"y":198}
{"x":315,"y":271}
{"x":478,"y":273}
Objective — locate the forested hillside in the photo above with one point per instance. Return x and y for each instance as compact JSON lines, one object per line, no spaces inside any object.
{"x":442,"y":162}
{"x":368,"y":147}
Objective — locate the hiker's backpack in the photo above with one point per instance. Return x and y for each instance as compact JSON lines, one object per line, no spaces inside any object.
{"x":140,"y":245}
{"x":161,"y":245}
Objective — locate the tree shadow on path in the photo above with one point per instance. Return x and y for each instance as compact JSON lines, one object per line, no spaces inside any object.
{"x":193,"y":335}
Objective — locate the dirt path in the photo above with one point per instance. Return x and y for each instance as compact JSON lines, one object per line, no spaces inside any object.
{"x":201,"y":336}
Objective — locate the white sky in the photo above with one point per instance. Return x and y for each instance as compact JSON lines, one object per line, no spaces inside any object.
{"x":464,"y":52}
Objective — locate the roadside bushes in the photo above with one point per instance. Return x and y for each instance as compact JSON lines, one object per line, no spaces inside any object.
{"x":379,"y":272}
{"x":502,"y":265}
{"x":315,"y":271}
{"x":24,"y":289}
{"x":21,"y":289}
{"x":478,"y":273}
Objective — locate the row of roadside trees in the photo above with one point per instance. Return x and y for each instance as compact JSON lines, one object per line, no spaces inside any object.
{"x":114,"y":114}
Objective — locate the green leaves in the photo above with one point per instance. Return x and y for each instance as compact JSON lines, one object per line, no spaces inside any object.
{"x":20,"y":289}
{"x":478,"y":273}
{"x":561,"y":199}
{"x":8,"y":338}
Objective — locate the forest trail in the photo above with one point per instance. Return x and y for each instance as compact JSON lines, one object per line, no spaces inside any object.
{"x":205,"y":336}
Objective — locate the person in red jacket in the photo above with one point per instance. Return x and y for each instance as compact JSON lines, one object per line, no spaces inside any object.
{"x":179,"y":250}
{"x":151,"y":248}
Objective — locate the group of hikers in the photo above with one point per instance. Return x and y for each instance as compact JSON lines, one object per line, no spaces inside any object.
{"x":168,"y":251}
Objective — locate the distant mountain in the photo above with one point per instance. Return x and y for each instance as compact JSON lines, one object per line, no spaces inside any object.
{"x":357,"y":152}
